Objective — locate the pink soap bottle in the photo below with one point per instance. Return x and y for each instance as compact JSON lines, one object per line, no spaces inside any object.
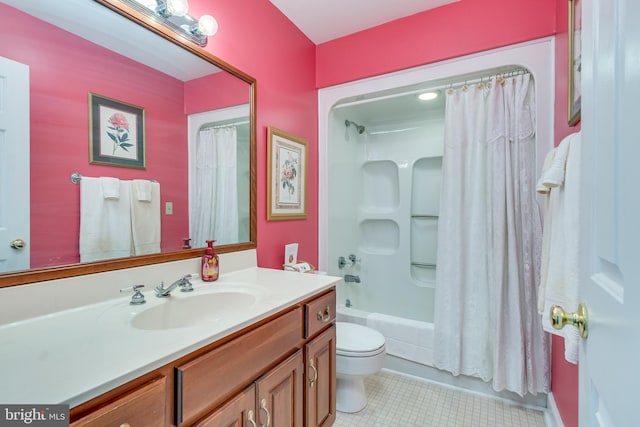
{"x":210,"y":270}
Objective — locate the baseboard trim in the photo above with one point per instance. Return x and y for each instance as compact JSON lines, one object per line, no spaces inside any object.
{"x":552,"y":416}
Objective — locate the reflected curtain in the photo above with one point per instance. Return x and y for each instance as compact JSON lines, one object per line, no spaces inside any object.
{"x":215,"y":205}
{"x":489,"y":239}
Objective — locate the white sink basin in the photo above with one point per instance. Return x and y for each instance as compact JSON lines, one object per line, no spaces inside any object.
{"x":184,"y":312}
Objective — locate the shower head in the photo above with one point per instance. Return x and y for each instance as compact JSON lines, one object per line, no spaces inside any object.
{"x":359,"y":128}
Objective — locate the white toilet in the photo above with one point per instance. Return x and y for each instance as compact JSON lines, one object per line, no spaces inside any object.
{"x":360,"y":352}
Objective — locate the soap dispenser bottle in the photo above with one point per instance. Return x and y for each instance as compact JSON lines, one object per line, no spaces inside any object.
{"x":210,"y":270}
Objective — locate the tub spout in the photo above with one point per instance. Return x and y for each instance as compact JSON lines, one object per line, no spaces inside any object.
{"x":351,"y":278}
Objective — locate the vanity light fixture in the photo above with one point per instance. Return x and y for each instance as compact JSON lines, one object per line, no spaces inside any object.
{"x":173,"y":14}
{"x":428,"y":96}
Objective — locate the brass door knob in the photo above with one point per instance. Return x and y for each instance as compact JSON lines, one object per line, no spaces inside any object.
{"x":579,"y":319}
{"x":18,"y":244}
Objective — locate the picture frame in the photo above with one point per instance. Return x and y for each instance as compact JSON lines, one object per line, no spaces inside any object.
{"x":116,"y":133}
{"x":575,"y":61}
{"x":286,"y":176}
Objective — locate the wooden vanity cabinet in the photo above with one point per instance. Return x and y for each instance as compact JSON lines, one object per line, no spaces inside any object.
{"x":281,"y":368}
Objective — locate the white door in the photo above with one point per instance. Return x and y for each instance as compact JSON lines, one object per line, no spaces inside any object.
{"x":610,"y":272}
{"x":14,"y":165}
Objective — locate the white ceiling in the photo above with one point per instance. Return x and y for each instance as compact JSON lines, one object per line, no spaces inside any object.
{"x":324,"y":20}
{"x":108,"y":29}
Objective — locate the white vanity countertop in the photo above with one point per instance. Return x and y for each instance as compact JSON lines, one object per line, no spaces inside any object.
{"x":75,"y":355}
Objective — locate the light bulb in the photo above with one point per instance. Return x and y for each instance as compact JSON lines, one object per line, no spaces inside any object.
{"x":207,"y":25}
{"x":178,"y":7}
{"x":428,"y":96}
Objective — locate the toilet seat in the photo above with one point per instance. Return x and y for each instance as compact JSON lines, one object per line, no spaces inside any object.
{"x":353,"y":340}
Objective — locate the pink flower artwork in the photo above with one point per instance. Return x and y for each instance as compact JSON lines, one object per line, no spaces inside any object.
{"x":118,"y":131}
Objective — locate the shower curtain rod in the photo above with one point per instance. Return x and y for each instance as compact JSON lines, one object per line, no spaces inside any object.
{"x":224,"y":125}
{"x":510,"y":72}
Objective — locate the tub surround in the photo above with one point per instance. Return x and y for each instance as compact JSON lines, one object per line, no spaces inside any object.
{"x":77,"y":353}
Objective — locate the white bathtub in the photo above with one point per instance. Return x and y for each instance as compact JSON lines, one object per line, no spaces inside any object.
{"x":408,"y":339}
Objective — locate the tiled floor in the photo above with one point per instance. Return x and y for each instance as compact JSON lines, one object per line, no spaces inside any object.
{"x":398,"y":401}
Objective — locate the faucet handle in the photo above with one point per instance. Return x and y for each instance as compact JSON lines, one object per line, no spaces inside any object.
{"x":137,"y":298}
{"x":186,"y":285}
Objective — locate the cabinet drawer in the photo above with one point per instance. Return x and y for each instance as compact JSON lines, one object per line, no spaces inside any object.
{"x":319,"y":313}
{"x":208,"y":380}
{"x":144,"y":406}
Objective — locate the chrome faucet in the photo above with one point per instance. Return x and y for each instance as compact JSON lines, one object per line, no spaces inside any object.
{"x":183,"y":282}
{"x":351,"y":278}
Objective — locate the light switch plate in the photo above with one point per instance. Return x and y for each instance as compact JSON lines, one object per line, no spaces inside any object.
{"x":168,"y":208}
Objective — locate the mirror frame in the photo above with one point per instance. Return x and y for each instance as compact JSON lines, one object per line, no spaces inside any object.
{"x":72,"y":270}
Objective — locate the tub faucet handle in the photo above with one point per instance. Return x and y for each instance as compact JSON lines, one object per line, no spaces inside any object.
{"x":354,"y":259}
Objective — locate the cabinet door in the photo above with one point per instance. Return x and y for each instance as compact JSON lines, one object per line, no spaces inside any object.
{"x":280,"y":394}
{"x":239,"y":412}
{"x":320,"y":359}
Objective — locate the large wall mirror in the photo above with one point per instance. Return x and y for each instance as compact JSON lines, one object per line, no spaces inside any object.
{"x":58,"y":59}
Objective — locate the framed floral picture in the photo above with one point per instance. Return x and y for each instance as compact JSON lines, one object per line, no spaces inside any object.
{"x":575,"y":61}
{"x":286,"y":176}
{"x":116,"y":133}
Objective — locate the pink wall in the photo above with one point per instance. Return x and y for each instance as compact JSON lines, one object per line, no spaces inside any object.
{"x":446,"y":32}
{"x":256,"y":38}
{"x":564,"y":375}
{"x":225,"y":90}
{"x":64,"y":69}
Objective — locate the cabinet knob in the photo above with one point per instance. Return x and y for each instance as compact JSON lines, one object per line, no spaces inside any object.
{"x":125,"y":425}
{"x":325,"y":315}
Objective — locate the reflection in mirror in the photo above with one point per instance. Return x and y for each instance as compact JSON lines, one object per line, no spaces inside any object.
{"x":193,"y":105}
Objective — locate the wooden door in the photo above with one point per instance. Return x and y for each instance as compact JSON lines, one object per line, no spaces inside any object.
{"x":320,"y":382}
{"x":280,"y":394}
{"x":238,"y":412}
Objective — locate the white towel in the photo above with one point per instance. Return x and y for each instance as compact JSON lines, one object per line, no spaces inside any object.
{"x":105,"y":223}
{"x":405,"y":338}
{"x":548,"y":160}
{"x":559,"y":278}
{"x":110,"y":187}
{"x":145,"y":220}
{"x":555,"y":174}
{"x":142,"y":189}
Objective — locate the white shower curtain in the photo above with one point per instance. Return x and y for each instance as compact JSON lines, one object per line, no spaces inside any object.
{"x":489,"y":239}
{"x":215,"y":204}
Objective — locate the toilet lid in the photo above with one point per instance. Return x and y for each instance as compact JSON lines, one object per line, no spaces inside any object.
{"x":354,"y":338}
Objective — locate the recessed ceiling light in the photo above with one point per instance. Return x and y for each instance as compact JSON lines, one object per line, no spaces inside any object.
{"x":428,"y":96}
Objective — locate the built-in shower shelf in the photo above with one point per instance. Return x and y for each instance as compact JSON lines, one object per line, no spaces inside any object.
{"x":424,"y":265}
